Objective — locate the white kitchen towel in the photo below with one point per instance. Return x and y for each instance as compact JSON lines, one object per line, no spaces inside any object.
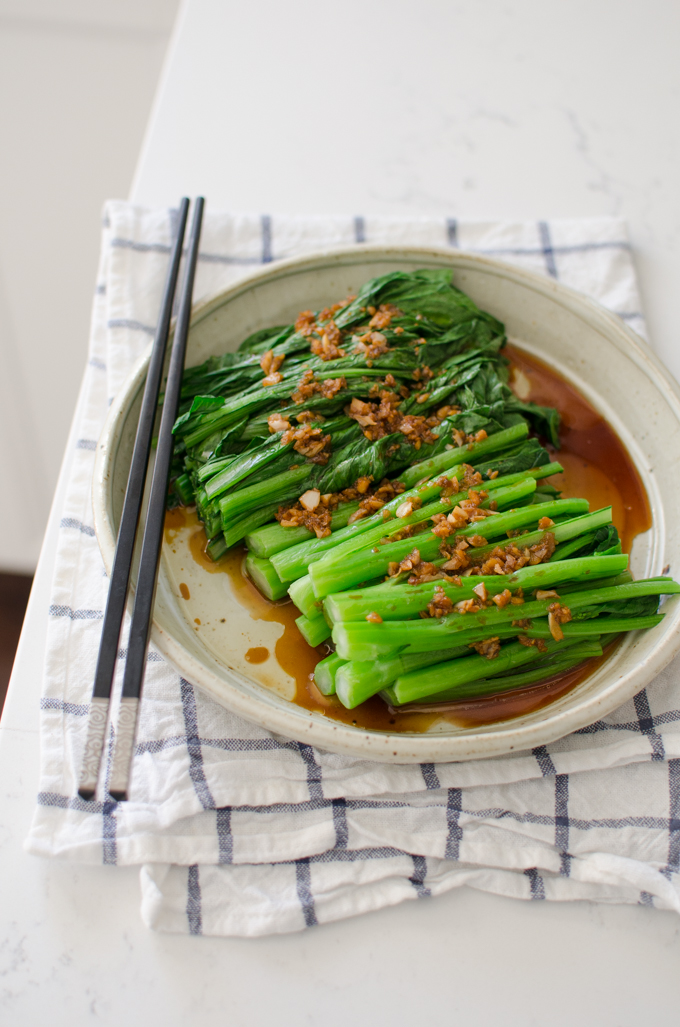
{"x":241,"y":832}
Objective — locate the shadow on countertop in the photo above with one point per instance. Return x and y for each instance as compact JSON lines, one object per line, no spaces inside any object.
{"x":14,"y":592}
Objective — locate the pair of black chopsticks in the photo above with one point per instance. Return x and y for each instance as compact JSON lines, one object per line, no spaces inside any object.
{"x":140,"y":627}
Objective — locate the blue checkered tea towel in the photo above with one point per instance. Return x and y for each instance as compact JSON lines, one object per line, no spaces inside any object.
{"x":240,"y":832}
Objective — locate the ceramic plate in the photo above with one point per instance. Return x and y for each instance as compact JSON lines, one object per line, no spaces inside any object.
{"x":593,"y":349}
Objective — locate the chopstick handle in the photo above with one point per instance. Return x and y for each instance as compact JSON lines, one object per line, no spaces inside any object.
{"x":122,"y":561}
{"x":140,"y":626}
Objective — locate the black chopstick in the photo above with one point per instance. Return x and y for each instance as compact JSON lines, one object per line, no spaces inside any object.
{"x":140,"y":626}
{"x":122,"y":561}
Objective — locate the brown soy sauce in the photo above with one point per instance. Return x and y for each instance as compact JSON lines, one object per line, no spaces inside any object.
{"x":596,"y":463}
{"x":292,"y":653}
{"x":597,"y":467}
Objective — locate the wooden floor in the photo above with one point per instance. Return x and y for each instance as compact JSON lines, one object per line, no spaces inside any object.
{"x":14,"y":592}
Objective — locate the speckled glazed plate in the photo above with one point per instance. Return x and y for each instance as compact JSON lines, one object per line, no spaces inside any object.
{"x":614,"y":369}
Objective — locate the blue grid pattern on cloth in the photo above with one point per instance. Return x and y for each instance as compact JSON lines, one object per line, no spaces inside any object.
{"x":242,"y":832}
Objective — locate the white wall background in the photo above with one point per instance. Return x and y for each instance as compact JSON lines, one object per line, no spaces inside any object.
{"x":77,"y":79}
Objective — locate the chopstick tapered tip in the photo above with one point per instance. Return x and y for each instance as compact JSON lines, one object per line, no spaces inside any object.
{"x":123,"y":748}
{"x":94,"y":747}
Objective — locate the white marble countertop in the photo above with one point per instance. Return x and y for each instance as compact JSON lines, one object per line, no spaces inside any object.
{"x":521,"y":109}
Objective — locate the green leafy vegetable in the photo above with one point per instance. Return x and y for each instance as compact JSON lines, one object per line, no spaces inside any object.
{"x":359,"y":452}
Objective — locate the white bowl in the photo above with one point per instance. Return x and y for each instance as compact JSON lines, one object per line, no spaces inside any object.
{"x":590,"y":347}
